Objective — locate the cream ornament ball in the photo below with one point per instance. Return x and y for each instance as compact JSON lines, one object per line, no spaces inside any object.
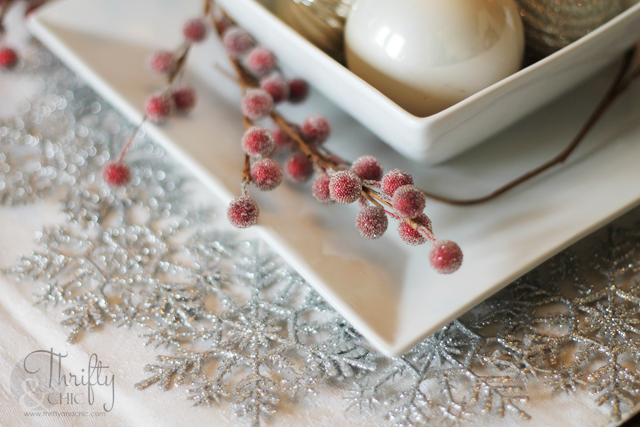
{"x":427,"y":55}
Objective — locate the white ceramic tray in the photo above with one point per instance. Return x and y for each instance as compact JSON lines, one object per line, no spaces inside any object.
{"x":456,"y":129}
{"x":383,"y":287}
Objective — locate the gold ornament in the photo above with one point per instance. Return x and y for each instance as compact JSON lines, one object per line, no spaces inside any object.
{"x":319,"y":21}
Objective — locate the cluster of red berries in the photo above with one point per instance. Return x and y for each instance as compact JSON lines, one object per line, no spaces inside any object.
{"x":344,"y":184}
{"x":408,"y":203}
{"x":258,"y":142}
{"x":181,"y":98}
{"x":178,"y":98}
{"x":261,"y":64}
{"x":397,"y":190}
{"x":363,"y":181}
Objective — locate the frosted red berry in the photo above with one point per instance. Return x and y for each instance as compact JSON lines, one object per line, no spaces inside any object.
{"x":266,"y":174}
{"x":372,"y":222}
{"x":320,"y":189}
{"x":298,"y":90}
{"x":277,"y":87}
{"x":408,"y":201}
{"x":194,"y":30}
{"x":316,"y":129}
{"x":256,"y":104}
{"x":236,"y":41}
{"x":345,"y":187}
{"x":258,"y":142}
{"x":159,"y":107}
{"x":184,"y":98}
{"x":395,"y":179}
{"x":413,"y":237}
{"x":243,"y":212}
{"x":162,"y":62}
{"x":298,"y":168}
{"x":367,"y":167}
{"x":116,"y":174}
{"x":260,"y":61}
{"x":8,"y":58}
{"x":445,"y":257}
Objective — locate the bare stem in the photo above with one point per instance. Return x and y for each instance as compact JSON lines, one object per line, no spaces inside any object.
{"x":246,"y":172}
{"x":245,"y":81}
{"x":126,"y":146}
{"x":246,"y":175}
{"x":3,"y":13}
{"x":312,"y":152}
{"x":180,"y":63}
{"x":618,"y":86}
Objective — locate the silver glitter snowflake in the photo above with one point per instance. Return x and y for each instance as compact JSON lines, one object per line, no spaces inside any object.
{"x":272,"y":338}
{"x":576,"y":334}
{"x":441,"y":381}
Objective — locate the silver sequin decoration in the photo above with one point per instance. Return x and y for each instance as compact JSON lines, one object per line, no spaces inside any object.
{"x":551,"y":25}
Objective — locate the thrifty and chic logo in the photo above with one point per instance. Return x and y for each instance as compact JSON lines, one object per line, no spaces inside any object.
{"x":39,"y":382}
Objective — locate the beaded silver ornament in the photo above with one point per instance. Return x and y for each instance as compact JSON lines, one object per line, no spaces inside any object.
{"x":551,"y":25}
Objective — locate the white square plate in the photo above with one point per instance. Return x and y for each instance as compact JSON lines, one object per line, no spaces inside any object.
{"x":440,"y":136}
{"x":383,"y":287}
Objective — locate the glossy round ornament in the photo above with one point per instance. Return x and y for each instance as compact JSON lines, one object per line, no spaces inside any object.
{"x":427,"y":55}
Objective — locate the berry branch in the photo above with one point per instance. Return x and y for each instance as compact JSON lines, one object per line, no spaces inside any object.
{"x":4,"y":8}
{"x":379,"y":195}
{"x":176,"y":97}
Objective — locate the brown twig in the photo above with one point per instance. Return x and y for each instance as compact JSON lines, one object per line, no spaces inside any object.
{"x":245,"y":81}
{"x":182,"y":59}
{"x":246,"y":171}
{"x":3,"y":13}
{"x":618,"y":86}
{"x":314,"y":155}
